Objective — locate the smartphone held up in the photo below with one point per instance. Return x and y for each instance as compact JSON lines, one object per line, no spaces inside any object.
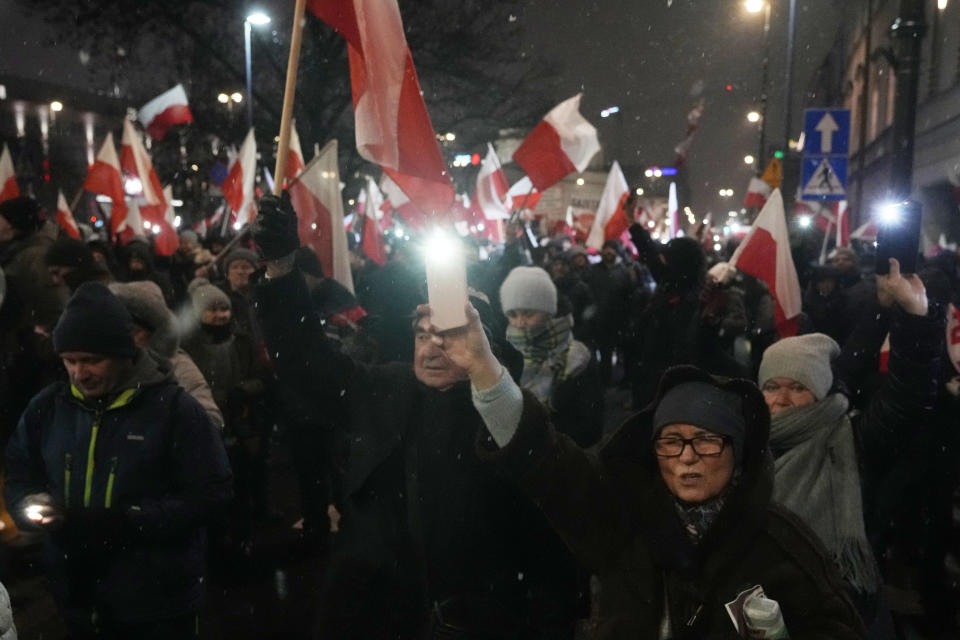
{"x":898,"y":235}
{"x":446,"y":280}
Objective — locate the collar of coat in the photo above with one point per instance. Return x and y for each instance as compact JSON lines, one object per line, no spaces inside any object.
{"x":629,"y":455}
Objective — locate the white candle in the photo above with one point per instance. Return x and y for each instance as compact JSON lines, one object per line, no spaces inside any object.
{"x":446,"y":280}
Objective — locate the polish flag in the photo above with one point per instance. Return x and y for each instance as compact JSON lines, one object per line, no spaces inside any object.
{"x":765,"y":253}
{"x":167,"y":240}
{"x":135,"y":160}
{"x":132,"y":226}
{"x":562,"y":143}
{"x":8,"y":179}
{"x":611,"y":220}
{"x":295,"y":161}
{"x":398,"y":201}
{"x":393,"y":127}
{"x":368,"y":204}
{"x":866,"y":232}
{"x":759,"y":189}
{"x":315,"y":196}
{"x":166,"y":110}
{"x":843,"y":224}
{"x":65,"y":217}
{"x":523,"y":196}
{"x":105,"y":178}
{"x":491,"y":189}
{"x":238,"y":187}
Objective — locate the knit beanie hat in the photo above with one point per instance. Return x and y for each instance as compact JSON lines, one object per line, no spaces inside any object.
{"x":23,"y":213}
{"x":240,"y":254}
{"x":206,"y":296}
{"x":189,"y":236}
{"x":144,"y":300}
{"x":706,"y":406}
{"x":69,"y":252}
{"x":529,"y":288}
{"x":805,"y":359}
{"x":95,"y":321}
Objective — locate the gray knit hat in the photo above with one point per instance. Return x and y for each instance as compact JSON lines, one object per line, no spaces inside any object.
{"x":240,"y":254}
{"x":206,"y":296}
{"x":529,"y":288}
{"x":805,"y":359}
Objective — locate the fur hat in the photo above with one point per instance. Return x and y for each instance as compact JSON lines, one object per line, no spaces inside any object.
{"x":529,"y":288}
{"x":95,"y":321}
{"x":206,"y":296}
{"x":805,"y":359}
{"x":144,"y":300}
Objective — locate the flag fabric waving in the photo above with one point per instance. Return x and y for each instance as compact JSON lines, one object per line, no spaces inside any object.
{"x":491,"y":189}
{"x":611,"y":220}
{"x":843,"y":224}
{"x":368,"y":203}
{"x":167,"y":240}
{"x":238,"y":187}
{"x":315,"y":196}
{"x":295,"y":161}
{"x":105,"y":178}
{"x":8,"y":179}
{"x":398,"y":200}
{"x":562,"y":143}
{"x":135,"y":160}
{"x":168,"y":109}
{"x":523,"y":196}
{"x":132,"y":225}
{"x":765,"y":254}
{"x":867,"y":232}
{"x":65,"y":217}
{"x":759,"y":189}
{"x":393,"y":127}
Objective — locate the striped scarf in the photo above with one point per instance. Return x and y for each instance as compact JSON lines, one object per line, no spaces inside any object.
{"x":550,"y":355}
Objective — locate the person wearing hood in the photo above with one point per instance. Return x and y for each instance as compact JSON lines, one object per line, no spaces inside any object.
{"x":121,"y":470}
{"x":674,"y":514}
{"x":560,"y":371}
{"x":137,"y":257}
{"x":833,"y":467}
{"x":154,"y":328}
{"x":238,"y":266}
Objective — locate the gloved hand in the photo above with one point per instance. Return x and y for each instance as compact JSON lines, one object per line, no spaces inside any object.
{"x":275,"y":229}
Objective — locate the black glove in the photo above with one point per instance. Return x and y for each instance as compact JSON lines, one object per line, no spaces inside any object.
{"x":275,"y":229}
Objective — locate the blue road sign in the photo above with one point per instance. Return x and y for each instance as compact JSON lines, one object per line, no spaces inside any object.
{"x":825,"y":148}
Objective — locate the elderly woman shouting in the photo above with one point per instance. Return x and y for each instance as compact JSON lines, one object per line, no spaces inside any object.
{"x":674,"y":514}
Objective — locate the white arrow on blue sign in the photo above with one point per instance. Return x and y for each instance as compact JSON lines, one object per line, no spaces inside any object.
{"x":827,"y":132}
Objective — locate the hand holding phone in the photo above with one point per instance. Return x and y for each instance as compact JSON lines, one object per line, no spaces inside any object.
{"x":898,"y":236}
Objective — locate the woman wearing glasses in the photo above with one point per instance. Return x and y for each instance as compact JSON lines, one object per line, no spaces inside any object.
{"x":674,"y":514}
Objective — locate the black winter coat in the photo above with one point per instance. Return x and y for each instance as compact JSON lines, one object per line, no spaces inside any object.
{"x":424,"y":522}
{"x":138,"y":478}
{"x":618,"y":517}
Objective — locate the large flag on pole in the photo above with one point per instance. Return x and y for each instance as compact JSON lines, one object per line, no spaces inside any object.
{"x":166,"y":110}
{"x":8,"y":179}
{"x":368,"y":204}
{"x":135,"y":160}
{"x":65,"y":217}
{"x":523,"y":195}
{"x":167,"y":240}
{"x":132,"y":225}
{"x":315,"y":196}
{"x":759,"y":188}
{"x":491,"y":189}
{"x":105,"y":178}
{"x":393,"y":127}
{"x":239,"y":185}
{"x":562,"y":143}
{"x":411,"y":214}
{"x":765,"y":254}
{"x":611,"y":220}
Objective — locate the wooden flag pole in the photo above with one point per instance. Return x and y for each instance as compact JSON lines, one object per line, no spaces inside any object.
{"x":283,"y":147}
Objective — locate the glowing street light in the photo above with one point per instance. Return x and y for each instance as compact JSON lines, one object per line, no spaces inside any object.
{"x":56,"y":106}
{"x":258,"y":19}
{"x":237,"y":97}
{"x":748,"y":159}
{"x":754,"y":6}
{"x":450,"y":137}
{"x":223,"y":98}
{"x":753,"y":116}
{"x":580,"y":182}
{"x":639,"y":191}
{"x":941,"y":4}
{"x":609,"y":111}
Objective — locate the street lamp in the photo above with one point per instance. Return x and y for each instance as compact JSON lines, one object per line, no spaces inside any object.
{"x":753,"y":116}
{"x":223,"y":98}
{"x":749,"y":159}
{"x":258,"y":19}
{"x":754,"y":6}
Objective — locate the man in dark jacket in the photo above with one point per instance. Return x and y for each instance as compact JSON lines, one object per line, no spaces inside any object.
{"x":122,"y":468}
{"x":431,"y":544}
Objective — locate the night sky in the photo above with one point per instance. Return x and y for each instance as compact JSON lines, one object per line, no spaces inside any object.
{"x":645,"y":56}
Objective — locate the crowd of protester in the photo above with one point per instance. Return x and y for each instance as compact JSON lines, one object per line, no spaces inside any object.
{"x":468,"y":483}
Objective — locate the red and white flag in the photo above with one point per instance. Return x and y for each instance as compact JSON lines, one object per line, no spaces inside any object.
{"x":611,"y":220}
{"x":562,"y":143}
{"x":239,"y":184}
{"x":757,"y":193}
{"x":393,"y":127}
{"x":867,"y":232}
{"x":8,"y":179}
{"x":295,"y":161}
{"x":166,"y":110}
{"x":315,"y":196}
{"x":135,"y":161}
{"x":65,"y":217}
{"x":843,"y":224}
{"x":397,"y":200}
{"x":368,"y":204}
{"x":673,"y":212}
{"x":132,"y":225}
{"x":765,"y":254}
{"x":693,"y":123}
{"x":105,"y":178}
{"x":491,"y":189}
{"x":523,"y":196}
{"x":167,"y":240}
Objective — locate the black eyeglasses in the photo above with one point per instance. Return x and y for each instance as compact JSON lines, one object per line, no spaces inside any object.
{"x":672,"y":447}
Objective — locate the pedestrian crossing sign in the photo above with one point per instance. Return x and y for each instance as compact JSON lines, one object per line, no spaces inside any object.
{"x":824,"y":178}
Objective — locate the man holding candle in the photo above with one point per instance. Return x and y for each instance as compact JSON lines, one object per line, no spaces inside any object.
{"x":431,"y":541}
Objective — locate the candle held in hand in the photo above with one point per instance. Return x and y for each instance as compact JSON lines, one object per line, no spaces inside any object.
{"x":446,"y":280}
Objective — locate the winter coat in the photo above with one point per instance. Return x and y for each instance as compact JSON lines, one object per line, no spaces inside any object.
{"x":423,"y":520}
{"x":8,"y":631}
{"x":616,"y":514}
{"x":137,"y":477}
